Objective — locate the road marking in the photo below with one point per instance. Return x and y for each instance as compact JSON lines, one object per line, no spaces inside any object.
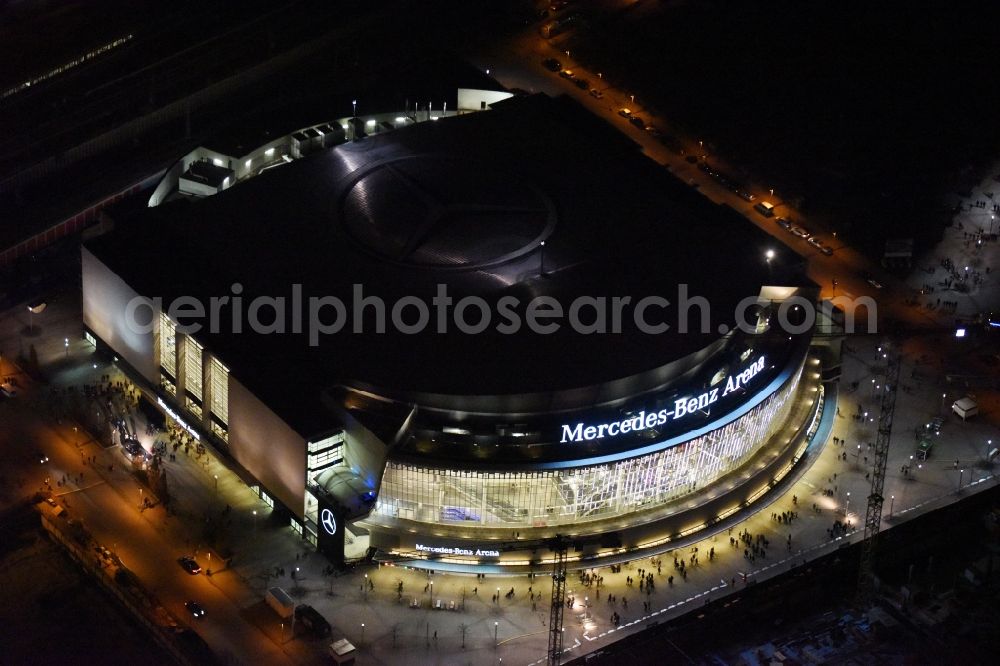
{"x":93,"y":485}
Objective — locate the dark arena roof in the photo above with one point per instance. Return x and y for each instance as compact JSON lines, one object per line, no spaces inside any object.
{"x":466,"y":202}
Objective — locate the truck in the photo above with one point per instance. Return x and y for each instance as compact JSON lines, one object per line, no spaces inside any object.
{"x":965,"y":407}
{"x":309,"y":617}
{"x":281,"y":602}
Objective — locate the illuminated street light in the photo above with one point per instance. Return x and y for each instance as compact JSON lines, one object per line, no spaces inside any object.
{"x":769,"y":255}
{"x":496,"y":629}
{"x":354,"y":108}
{"x":892,"y":501}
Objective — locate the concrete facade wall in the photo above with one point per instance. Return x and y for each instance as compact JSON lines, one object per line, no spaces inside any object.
{"x":470,"y":99}
{"x":267,"y":448}
{"x":106,"y":298}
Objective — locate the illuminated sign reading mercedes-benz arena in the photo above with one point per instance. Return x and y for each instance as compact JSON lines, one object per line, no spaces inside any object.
{"x":682,"y":407}
{"x":451,"y":550}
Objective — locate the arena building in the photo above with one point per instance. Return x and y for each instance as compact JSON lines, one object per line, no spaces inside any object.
{"x":512,"y":364}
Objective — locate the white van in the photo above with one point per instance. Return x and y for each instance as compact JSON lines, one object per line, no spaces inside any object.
{"x":764,"y":208}
{"x":965,"y":407}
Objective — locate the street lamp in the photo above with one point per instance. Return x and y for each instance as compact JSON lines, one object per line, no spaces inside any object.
{"x":362,"y":634}
{"x":943,"y":396}
{"x":892,"y":500}
{"x":496,"y":628}
{"x":255,"y":521}
{"x":961,"y":472}
{"x":847,"y":508}
{"x":769,"y":255}
{"x":216,"y":486}
{"x":66,"y":345}
{"x":140,"y":499}
{"x":354,"y":108}
{"x":541,"y":261}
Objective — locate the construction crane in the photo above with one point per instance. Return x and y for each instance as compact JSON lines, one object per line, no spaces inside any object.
{"x":559,"y":547}
{"x":873,"y":515}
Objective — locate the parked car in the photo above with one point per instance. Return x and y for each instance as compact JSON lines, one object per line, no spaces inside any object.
{"x":596,"y":94}
{"x":815,"y":242}
{"x":827,"y":250}
{"x":672,"y":143}
{"x":582,"y":84}
{"x":801,"y":232}
{"x":194,"y":608}
{"x":870,"y":279}
{"x":625,"y":112}
{"x":189,"y":565}
{"x":41,"y":457}
{"x":784,"y":223}
{"x":566,"y":74}
{"x":552,"y":64}
{"x":637,"y":121}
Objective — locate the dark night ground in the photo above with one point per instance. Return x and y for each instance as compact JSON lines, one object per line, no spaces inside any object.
{"x":52,"y":613}
{"x":867,"y":111}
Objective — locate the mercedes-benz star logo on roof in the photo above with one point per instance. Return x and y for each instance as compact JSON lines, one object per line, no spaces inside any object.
{"x":328,"y":522}
{"x":441,"y":212}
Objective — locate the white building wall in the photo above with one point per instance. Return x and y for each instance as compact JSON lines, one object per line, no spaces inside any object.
{"x":264,"y":444}
{"x":106,"y":298}
{"x":470,"y":99}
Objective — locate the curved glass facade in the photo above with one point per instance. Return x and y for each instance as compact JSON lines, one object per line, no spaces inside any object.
{"x":547,"y":498}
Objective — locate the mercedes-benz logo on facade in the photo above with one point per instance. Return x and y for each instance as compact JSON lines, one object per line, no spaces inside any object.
{"x":441,"y":212}
{"x":328,"y":522}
